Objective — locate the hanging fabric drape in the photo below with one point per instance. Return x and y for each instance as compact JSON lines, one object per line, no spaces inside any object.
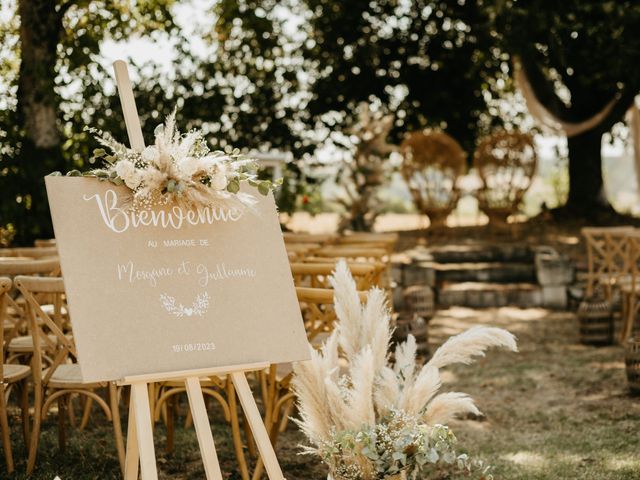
{"x":547,"y":120}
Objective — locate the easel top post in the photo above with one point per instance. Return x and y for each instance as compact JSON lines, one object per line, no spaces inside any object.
{"x":128,"y":102}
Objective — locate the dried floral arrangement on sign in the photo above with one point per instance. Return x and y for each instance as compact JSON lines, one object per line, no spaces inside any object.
{"x":177,"y":169}
{"x":373,"y":420}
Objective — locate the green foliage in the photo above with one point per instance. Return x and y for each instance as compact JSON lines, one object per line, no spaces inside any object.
{"x":432,"y":63}
{"x":588,"y":48}
{"x":77,"y":89}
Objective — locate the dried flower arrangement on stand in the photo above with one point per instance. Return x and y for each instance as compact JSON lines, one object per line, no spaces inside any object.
{"x":373,"y":420}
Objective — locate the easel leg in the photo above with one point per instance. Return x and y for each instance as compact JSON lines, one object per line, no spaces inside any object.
{"x":203,"y":429}
{"x":250,"y":408}
{"x":132,"y":458}
{"x":144,"y":432}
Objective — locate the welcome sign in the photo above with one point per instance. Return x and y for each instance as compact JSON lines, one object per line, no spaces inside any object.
{"x":169,"y":289}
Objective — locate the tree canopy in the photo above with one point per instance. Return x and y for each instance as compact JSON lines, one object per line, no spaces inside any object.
{"x":578,"y":55}
{"x":290,"y":75}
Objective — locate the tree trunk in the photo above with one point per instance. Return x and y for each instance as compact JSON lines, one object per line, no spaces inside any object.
{"x":586,"y":188}
{"x":40,"y":28}
{"x":38,"y":117}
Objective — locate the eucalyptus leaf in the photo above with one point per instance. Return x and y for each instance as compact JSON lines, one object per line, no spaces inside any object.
{"x":264,"y":188}
{"x":233,"y":186}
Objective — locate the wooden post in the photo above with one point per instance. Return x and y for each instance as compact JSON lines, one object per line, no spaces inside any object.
{"x":128,"y":102}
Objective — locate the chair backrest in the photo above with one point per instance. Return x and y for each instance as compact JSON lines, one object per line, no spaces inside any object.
{"x":45,"y":266}
{"x":322,"y":238}
{"x":300,"y":250}
{"x":607,"y":256}
{"x":318,"y":313}
{"x":51,"y":346}
{"x":13,"y":267}
{"x":5,"y":287}
{"x":45,"y":242}
{"x":316,"y":275}
{"x":29,"y":252}
{"x":356,"y":252}
{"x":387,"y":241}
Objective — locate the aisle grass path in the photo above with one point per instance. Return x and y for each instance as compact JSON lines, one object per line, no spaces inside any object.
{"x":556,"y":410}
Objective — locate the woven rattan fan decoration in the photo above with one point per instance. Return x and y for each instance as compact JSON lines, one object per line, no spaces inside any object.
{"x":506,"y":163}
{"x":433,"y":162}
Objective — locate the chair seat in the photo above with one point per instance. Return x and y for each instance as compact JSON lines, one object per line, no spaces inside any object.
{"x":68,"y":376}
{"x":14,"y":373}
{"x":24,"y":344}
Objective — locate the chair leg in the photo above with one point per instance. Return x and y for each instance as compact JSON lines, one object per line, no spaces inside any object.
{"x":24,"y":407}
{"x":35,"y":431}
{"x":284,"y":421}
{"x":4,"y":426}
{"x":188,"y":420}
{"x":62,"y":411}
{"x":627,"y":324}
{"x":235,"y":431}
{"x":117,"y":424}
{"x":170,"y":405}
{"x":251,"y":446}
{"x":71,"y":412}
{"x":86,"y":413}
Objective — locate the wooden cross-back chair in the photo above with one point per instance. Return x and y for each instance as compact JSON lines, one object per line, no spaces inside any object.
{"x":607,"y":258}
{"x":317,"y":307}
{"x":316,"y":275}
{"x":54,"y":368}
{"x":630,"y":286}
{"x":15,"y":321}
{"x":11,"y":375}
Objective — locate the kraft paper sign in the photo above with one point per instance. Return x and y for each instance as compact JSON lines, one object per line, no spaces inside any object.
{"x":170,"y":289}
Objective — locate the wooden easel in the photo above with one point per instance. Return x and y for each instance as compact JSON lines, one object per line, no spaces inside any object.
{"x":140,"y":448}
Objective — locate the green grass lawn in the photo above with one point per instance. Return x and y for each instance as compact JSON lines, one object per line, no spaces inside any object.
{"x":556,"y":410}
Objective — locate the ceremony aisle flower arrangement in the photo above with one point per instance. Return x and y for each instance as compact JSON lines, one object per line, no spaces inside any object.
{"x":369,"y":419}
{"x":177,"y":169}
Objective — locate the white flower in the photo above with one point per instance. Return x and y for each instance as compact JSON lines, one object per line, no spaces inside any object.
{"x":150,"y":154}
{"x":219,"y":181}
{"x":188,"y":166}
{"x":127,"y":171}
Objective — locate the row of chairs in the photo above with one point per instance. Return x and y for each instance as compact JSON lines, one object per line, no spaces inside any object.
{"x":33,"y":307}
{"x":613,"y":270}
{"x":39,"y":352}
